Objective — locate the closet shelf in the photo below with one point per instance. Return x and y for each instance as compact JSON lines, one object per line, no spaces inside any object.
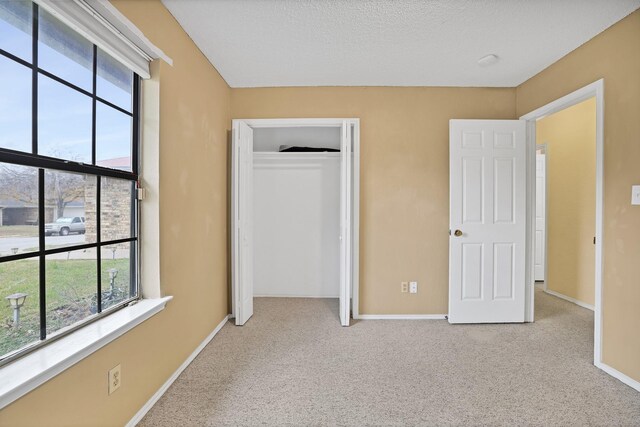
{"x":294,"y":155}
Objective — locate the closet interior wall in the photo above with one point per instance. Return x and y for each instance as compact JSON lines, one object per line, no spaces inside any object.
{"x":296,"y":213}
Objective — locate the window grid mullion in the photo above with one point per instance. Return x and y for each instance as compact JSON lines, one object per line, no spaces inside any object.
{"x":134,"y":288}
{"x":35,"y":254}
{"x":43,"y":260}
{"x":34,"y":81}
{"x":114,"y":106}
{"x":42,"y":266}
{"x":135,"y":146}
{"x":98,"y":181}
{"x":27,"y":159}
{"x":16,"y":58}
{"x":78,"y":89}
{"x":93,"y":107}
{"x":98,"y":239}
{"x":63,"y":81}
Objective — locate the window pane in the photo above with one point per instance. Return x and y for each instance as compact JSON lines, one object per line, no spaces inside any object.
{"x":116,"y":274}
{"x":115,"y":208}
{"x":72,"y":286}
{"x":113,"y":138}
{"x":19,"y":277}
{"x":18,"y":209}
{"x":114,"y":82}
{"x":63,"y":52}
{"x":64,"y":122}
{"x":15,"y":105}
{"x":70,"y":209}
{"x":16,"y":18}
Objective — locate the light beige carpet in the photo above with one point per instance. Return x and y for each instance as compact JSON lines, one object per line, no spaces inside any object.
{"x":292,"y":364}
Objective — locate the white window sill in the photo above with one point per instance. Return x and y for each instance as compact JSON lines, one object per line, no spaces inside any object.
{"x":29,"y":372}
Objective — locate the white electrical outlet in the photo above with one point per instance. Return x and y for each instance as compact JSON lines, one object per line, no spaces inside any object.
{"x":413,"y":287}
{"x":115,"y":379}
{"x":635,"y":194}
{"x":404,"y":287}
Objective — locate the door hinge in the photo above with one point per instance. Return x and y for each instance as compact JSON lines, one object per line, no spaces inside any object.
{"x":594,"y":240}
{"x":141,"y":193}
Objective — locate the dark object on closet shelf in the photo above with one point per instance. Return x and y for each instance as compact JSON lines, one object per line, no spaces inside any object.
{"x":294,"y":149}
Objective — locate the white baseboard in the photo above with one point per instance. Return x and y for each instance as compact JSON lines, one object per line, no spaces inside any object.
{"x":619,"y":375}
{"x":295,"y":296}
{"x":158,"y":394}
{"x":400,"y":317}
{"x":573,"y":300}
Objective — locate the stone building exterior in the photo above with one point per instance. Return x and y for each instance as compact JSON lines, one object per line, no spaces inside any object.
{"x":115,"y":209}
{"x":17,"y":213}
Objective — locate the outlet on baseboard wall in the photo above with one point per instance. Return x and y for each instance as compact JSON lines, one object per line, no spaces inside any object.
{"x":413,"y":287}
{"x":115,"y":378}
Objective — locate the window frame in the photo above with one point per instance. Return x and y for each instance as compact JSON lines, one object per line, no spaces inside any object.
{"x":43,"y":163}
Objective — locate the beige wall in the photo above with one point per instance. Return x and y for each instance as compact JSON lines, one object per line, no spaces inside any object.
{"x":404,"y":216}
{"x":615,"y":56}
{"x":570,"y":138}
{"x":194,"y":113}
{"x":404,"y":204}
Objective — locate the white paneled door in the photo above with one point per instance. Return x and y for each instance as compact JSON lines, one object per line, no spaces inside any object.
{"x":487,"y":221}
{"x":242,"y":221}
{"x":540,"y":256}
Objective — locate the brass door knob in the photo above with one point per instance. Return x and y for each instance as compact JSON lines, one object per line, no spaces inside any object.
{"x":457,"y":233}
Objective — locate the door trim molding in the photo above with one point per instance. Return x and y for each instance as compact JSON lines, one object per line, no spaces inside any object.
{"x":546,"y":212}
{"x":290,"y":123}
{"x":595,"y":89}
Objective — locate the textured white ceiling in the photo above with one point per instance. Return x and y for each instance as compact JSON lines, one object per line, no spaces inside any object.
{"x":256,"y":43}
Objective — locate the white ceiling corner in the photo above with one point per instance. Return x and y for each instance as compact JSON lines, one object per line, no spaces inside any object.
{"x":268,"y":43}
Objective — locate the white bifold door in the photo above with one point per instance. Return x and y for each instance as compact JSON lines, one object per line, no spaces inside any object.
{"x":242,"y":220}
{"x":346,"y":208}
{"x":487,"y":221}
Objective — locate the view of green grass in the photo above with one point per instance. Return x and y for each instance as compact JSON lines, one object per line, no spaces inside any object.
{"x":70,"y":295}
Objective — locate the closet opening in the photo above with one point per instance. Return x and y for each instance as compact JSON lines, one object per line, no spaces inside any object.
{"x":295,"y":186}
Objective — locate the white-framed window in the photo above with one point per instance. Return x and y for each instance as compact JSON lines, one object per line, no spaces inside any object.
{"x":69,"y":143}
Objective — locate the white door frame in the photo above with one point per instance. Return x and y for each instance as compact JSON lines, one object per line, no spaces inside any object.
{"x":331,"y":122}
{"x":595,"y":89}
{"x":545,"y":149}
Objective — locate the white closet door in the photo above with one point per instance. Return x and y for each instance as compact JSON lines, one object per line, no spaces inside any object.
{"x":346,"y":260}
{"x":242,"y":222}
{"x":487,"y":221}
